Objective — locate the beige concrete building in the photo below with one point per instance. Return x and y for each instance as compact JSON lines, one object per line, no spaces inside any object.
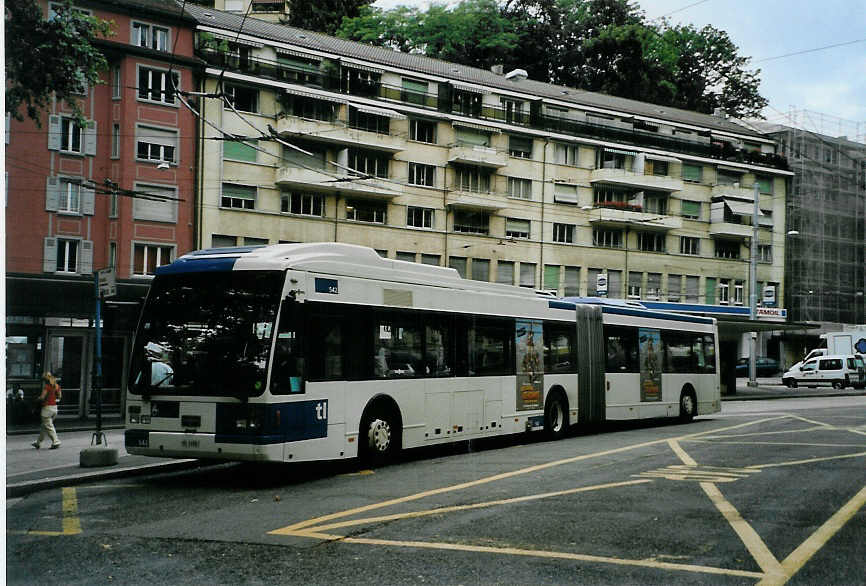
{"x":310,"y":138}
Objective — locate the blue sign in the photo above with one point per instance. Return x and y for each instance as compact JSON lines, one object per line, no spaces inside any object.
{"x":327,"y":286}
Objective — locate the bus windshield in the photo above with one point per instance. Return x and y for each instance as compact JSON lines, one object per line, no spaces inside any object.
{"x":206,"y":334}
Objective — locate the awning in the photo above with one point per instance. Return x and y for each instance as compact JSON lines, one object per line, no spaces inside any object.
{"x":741,"y":208}
{"x":466,"y":87}
{"x":360,"y":67}
{"x":731,"y":169}
{"x":620,"y":151}
{"x":316,"y":96}
{"x":379,"y":112}
{"x":663,"y":158}
{"x":293,"y":53}
{"x":472,"y":126}
{"x":233,"y":39}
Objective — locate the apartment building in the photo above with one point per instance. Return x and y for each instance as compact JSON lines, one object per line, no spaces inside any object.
{"x":116,"y":194}
{"x":504,"y":178}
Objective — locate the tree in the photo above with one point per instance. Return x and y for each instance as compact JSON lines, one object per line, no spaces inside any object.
{"x":324,"y":16}
{"x":54,"y":57}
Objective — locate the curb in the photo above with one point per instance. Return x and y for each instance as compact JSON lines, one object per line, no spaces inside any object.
{"x":29,"y":487}
{"x":790,"y":396}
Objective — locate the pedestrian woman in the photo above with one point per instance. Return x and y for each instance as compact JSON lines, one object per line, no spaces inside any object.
{"x":48,"y":398}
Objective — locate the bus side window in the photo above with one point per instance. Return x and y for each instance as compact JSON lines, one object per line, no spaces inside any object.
{"x":559,"y":348}
{"x":622,"y":349}
{"x":287,"y":374}
{"x":325,"y":342}
{"x":438,"y":353}
{"x":709,"y":354}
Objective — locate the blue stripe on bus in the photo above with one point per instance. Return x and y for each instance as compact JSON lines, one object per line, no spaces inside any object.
{"x":278,"y":422}
{"x":197,"y":265}
{"x":686,"y":307}
{"x":656,"y":315}
{"x":226,"y":250}
{"x":561,"y":305}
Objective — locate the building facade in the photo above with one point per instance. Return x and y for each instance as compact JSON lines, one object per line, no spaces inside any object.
{"x":116,"y":194}
{"x":825,"y":271}
{"x":311,"y":138}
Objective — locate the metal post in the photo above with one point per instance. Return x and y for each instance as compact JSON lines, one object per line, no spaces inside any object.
{"x":753,"y":285}
{"x":98,"y":437}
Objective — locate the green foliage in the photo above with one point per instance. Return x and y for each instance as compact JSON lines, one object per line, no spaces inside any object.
{"x":324,"y":16}
{"x":599,"y":45}
{"x":50,"y":57}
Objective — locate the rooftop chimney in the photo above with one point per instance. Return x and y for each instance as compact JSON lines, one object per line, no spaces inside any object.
{"x":498,"y":69}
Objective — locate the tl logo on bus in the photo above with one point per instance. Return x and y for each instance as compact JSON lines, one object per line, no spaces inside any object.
{"x":322,"y":411}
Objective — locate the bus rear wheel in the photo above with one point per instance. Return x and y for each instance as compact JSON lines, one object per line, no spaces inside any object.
{"x":688,"y":405}
{"x":555,"y":416}
{"x":380,"y":438}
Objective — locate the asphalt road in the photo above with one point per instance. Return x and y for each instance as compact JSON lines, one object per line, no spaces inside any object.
{"x":765,"y":492}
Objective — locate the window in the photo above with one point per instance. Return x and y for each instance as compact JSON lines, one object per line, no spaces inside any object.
{"x":466,"y":103}
{"x":314,"y":156}
{"x":67,"y":255}
{"x":690,"y":209}
{"x":605,"y":194}
{"x":611,"y":159}
{"x":458,"y":263}
{"x":414,"y":92}
{"x":223,"y":241}
{"x":422,"y":130}
{"x":607,"y":238}
{"x":369,"y":162}
{"x":298,"y":69}
{"x":727,"y":249}
{"x":765,"y":253}
{"x":505,"y":272}
{"x":656,"y":203}
{"x":162,"y":207}
{"x":560,"y":348}
{"x":471,"y":221}
{"x":635,"y":281}
{"x":241,"y":151}
{"x":112,"y":255}
{"x":738,"y":293}
{"x":675,"y":283}
{"x":238,"y":196}
{"x":156,"y":144}
{"x":471,"y":137}
{"x":150,"y":36}
{"x":551,"y":277}
{"x":361,"y":210}
{"x":70,"y":197}
{"x":70,"y":138}
{"x":516,"y":228}
{"x":491,"y":347}
{"x":728,"y":177}
{"x":421,"y":174}
{"x":564,"y":233}
{"x":304,"y":204}
{"x":154,"y":85}
{"x":519,"y":146}
{"x":724,"y":292}
{"x":147,"y":257}
{"x":690,"y":245}
{"x":565,"y":154}
{"x":472,"y":179}
{"x":369,"y":122}
{"x":430,"y":259}
{"x":420,"y":218}
{"x":116,"y":83}
{"x":519,"y":188}
{"x":658,"y":168}
{"x":621,"y":349}
{"x":480,"y":269}
{"x":765,"y":184}
{"x":244,"y":99}
{"x":406,"y":256}
{"x":115,"y":141}
{"x":513,"y":110}
{"x":710,"y":290}
{"x":653,"y":285}
{"x":692,"y":289}
{"x":527,"y":275}
{"x":651,"y":241}
{"x":614,"y":284}
{"x":563,"y":193}
{"x":572,"y":281}
{"x":310,"y":108}
{"x":693,"y":173}
{"x":269,"y":5}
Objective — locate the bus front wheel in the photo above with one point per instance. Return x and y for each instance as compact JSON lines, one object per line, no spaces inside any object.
{"x":380,"y":437}
{"x":688,"y":405}
{"x":555,"y":416}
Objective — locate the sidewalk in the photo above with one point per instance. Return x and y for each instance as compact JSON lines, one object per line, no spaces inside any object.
{"x":29,"y":470}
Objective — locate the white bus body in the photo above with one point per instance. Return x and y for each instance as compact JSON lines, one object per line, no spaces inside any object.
{"x":326,"y":351}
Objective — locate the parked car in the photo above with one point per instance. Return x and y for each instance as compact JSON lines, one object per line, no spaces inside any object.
{"x":763,"y":367}
{"x":838,"y":370}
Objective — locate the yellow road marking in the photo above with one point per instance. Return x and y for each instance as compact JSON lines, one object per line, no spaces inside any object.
{"x":812,"y":421}
{"x":798,"y":558}
{"x":71,"y":523}
{"x":809,"y":461}
{"x":451,"y":509}
{"x":649,"y":563}
{"x":681,"y":453}
{"x":759,"y":433}
{"x":778,"y":444}
{"x":505,"y":475}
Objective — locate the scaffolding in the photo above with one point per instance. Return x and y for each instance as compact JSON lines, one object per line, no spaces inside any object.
{"x":825,"y":264}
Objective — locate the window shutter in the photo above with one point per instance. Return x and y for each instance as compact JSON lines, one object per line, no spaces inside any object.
{"x":87,"y":200}
{"x":90,"y":138}
{"x":49,"y":255}
{"x":55,"y":130}
{"x":86,"y":259}
{"x":52,"y":194}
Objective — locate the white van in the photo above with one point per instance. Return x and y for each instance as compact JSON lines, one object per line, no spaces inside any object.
{"x":837,"y":370}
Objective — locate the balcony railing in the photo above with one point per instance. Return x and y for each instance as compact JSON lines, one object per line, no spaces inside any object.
{"x":540,"y":121}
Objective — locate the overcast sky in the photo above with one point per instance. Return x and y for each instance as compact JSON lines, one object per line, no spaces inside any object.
{"x":830,"y":81}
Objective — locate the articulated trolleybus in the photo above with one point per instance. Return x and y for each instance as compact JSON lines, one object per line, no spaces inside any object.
{"x":299,"y":352}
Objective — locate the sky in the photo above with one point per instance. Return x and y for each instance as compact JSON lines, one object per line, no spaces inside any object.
{"x":822,"y":91}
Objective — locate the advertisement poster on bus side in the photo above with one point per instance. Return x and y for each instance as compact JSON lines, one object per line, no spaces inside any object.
{"x":650,"y":365}
{"x":529,"y":338}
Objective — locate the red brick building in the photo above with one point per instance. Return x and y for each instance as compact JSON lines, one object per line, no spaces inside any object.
{"x":76,"y":203}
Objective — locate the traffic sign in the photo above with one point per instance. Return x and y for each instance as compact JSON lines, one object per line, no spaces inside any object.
{"x":107,"y":280}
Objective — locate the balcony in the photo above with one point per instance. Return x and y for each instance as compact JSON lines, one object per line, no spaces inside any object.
{"x":477,"y":155}
{"x":339,"y":180}
{"x":736,"y":191}
{"x":337,"y":133}
{"x":628,"y":218}
{"x":730,"y":230}
{"x":634,"y":180}
{"x":471,"y":200}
